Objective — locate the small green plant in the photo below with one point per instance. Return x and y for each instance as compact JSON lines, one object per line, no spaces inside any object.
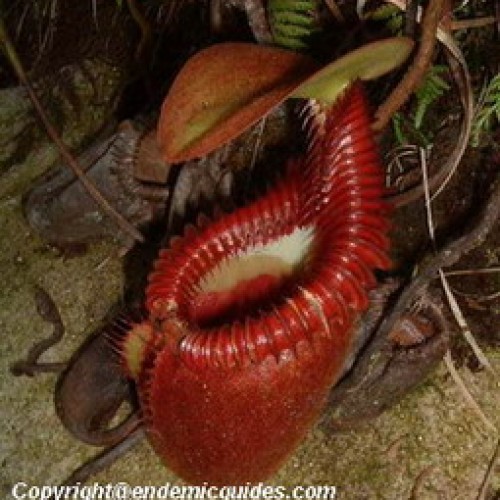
{"x":432,"y":88}
{"x":392,"y":17}
{"x":397,"y":126}
{"x":293,"y":22}
{"x":405,"y":131}
{"x":488,"y":111}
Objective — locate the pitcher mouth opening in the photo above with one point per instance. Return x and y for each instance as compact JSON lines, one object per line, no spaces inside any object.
{"x":295,"y":265}
{"x":252,"y":280}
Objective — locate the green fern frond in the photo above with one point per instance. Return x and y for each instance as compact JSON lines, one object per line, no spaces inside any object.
{"x":397,"y":126}
{"x":293,"y":19}
{"x":405,"y":131}
{"x":391,"y":16}
{"x":488,"y":113}
{"x":292,"y":22}
{"x":296,"y":5}
{"x":409,"y":128}
{"x":433,"y":87}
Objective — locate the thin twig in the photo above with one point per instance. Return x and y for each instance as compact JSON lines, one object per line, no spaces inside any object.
{"x":473,"y":272}
{"x":465,"y":392}
{"x":335,"y":11}
{"x":420,"y":481}
{"x":256,"y":147}
{"x":479,"y":22}
{"x":460,"y":73}
{"x":411,"y":18}
{"x":418,"y":69}
{"x":446,"y":257}
{"x":455,"y":308}
{"x":144,"y":26}
{"x":462,"y":77}
{"x":14,"y":60}
{"x":489,"y":473}
{"x":94,"y":13}
{"x":476,"y":297}
{"x":29,"y":366}
{"x":464,"y":327}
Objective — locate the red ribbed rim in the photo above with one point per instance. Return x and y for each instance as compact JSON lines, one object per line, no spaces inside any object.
{"x":335,"y":194}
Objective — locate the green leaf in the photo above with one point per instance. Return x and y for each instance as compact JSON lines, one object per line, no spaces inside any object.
{"x":488,"y":112}
{"x":366,"y":63}
{"x":222,"y":91}
{"x":432,"y":88}
{"x":225,"y":89}
{"x":397,"y":124}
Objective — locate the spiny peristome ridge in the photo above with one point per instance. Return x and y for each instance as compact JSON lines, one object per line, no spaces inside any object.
{"x":338,"y":191}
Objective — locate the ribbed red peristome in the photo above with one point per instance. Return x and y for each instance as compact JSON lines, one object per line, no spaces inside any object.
{"x":227,"y":403}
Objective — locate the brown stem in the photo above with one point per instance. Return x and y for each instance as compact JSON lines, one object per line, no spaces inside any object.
{"x":461,"y":77}
{"x":104,"y":459}
{"x":335,"y":11}
{"x":478,"y":22}
{"x":144,"y":26}
{"x":257,"y":20}
{"x":416,"y":72}
{"x":17,"y":66}
{"x":417,"y":488}
{"x":48,"y":311}
{"x":411,"y":18}
{"x":489,"y":473}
